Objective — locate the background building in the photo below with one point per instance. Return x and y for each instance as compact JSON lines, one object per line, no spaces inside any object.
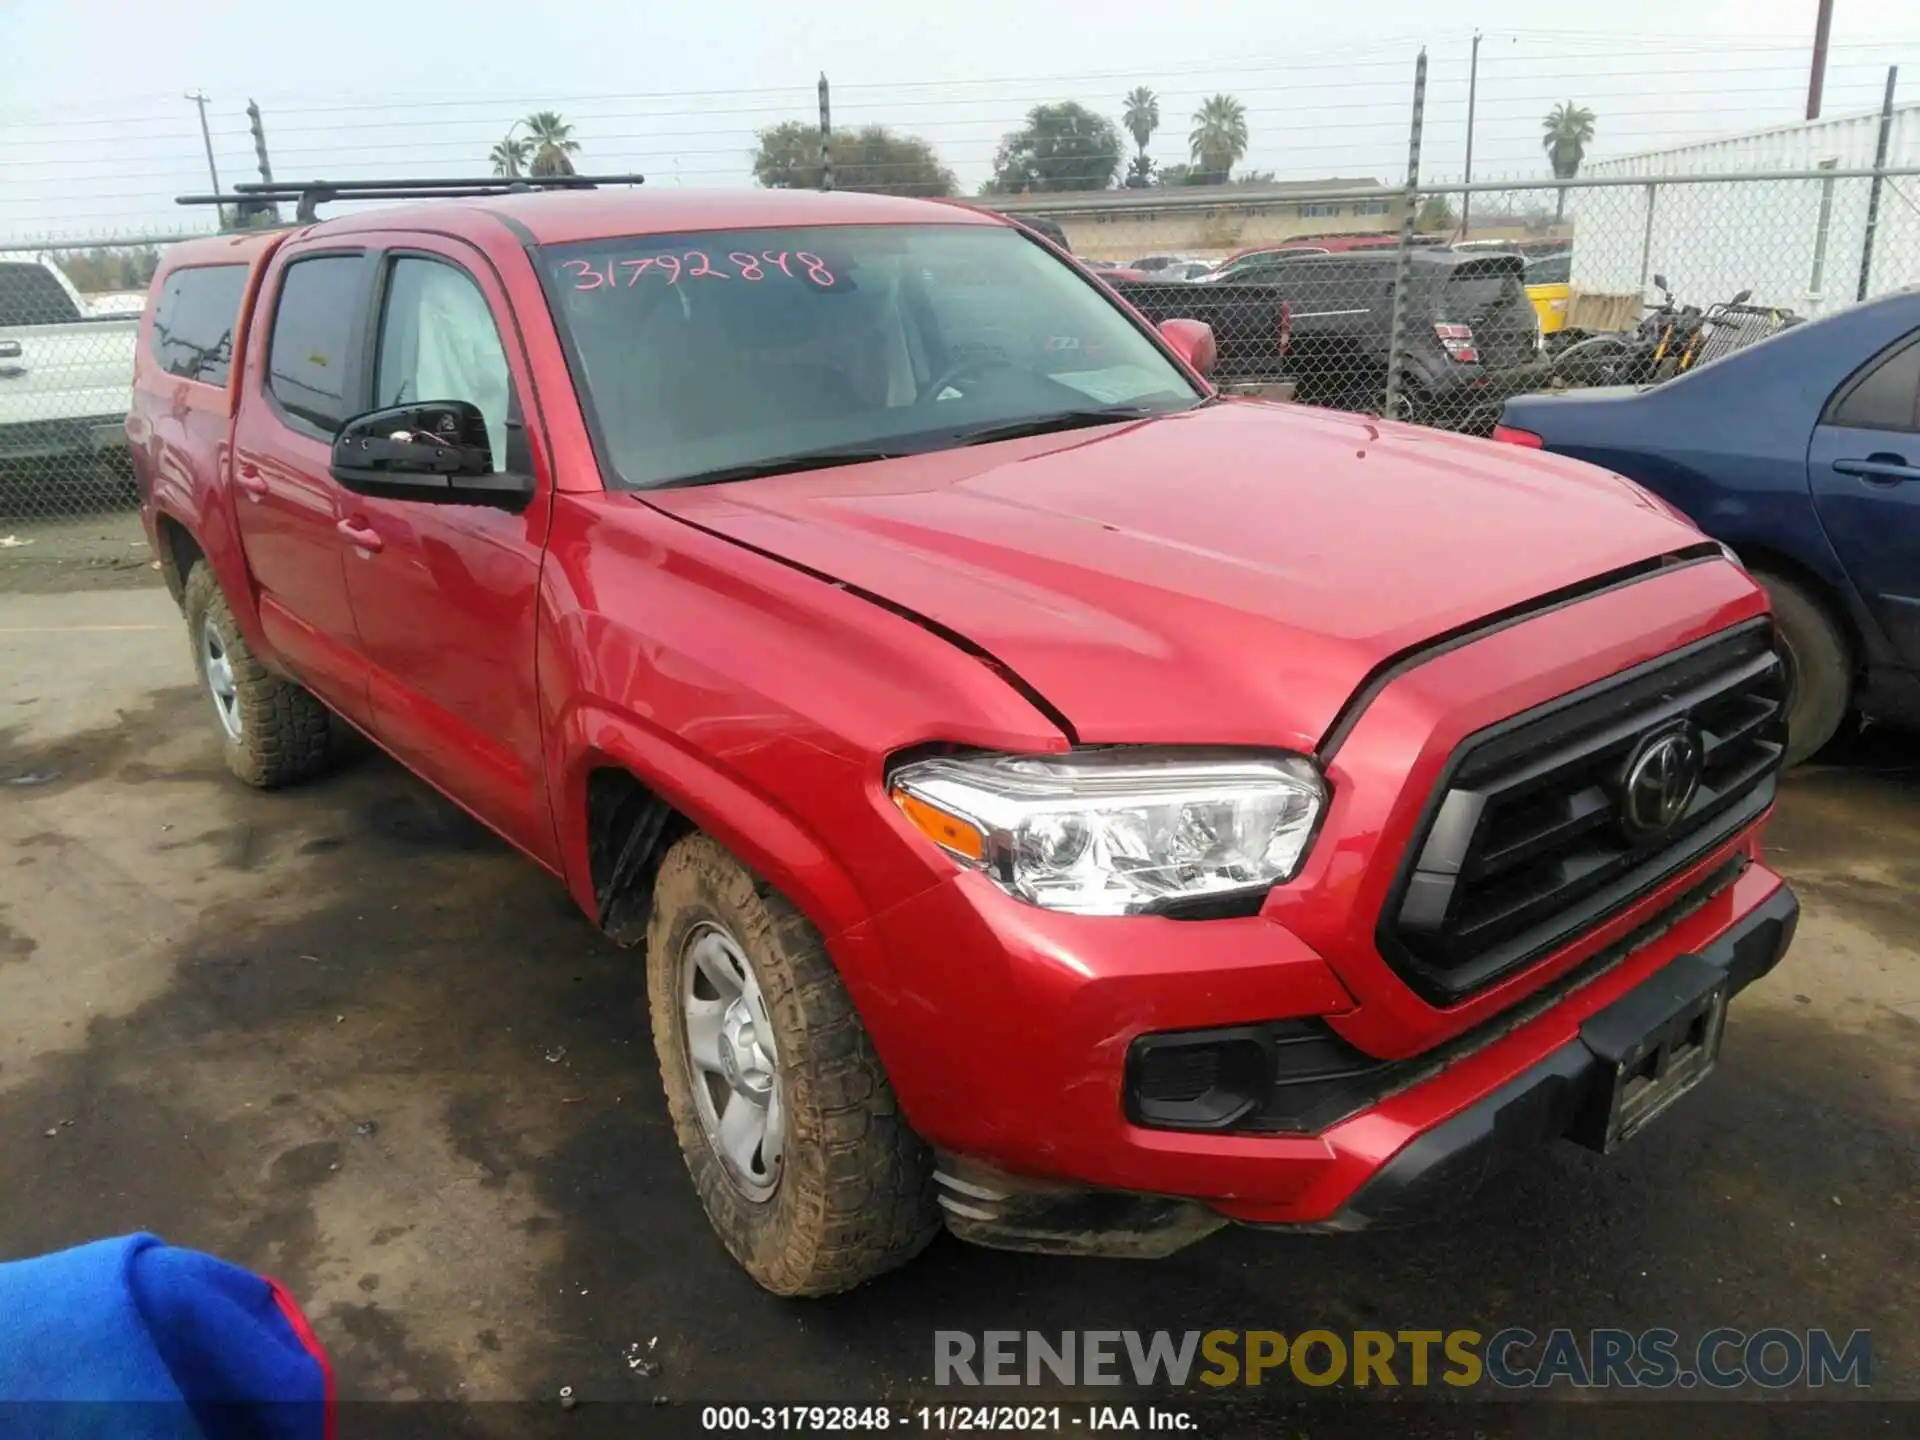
{"x":1800,"y":244}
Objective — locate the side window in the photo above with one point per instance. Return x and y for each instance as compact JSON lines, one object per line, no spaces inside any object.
{"x":1887,"y":397}
{"x":194,"y":319}
{"x":438,"y":342}
{"x":308,"y":359}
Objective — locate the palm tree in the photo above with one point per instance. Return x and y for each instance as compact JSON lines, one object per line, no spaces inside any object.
{"x":1142,"y":118}
{"x":1219,"y":136}
{"x":510,"y":156}
{"x":1142,"y":115}
{"x":1569,"y":127}
{"x":553,"y":142}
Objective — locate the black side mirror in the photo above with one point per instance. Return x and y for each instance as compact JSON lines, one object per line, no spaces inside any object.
{"x":436,"y":451}
{"x":1741,"y":298}
{"x":1660,"y":283}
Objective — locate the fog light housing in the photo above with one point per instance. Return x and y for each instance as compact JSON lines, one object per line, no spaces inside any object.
{"x":1286,"y":1077}
{"x":1197,"y":1080}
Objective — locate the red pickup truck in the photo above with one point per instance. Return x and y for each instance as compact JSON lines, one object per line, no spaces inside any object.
{"x":1054,"y":801}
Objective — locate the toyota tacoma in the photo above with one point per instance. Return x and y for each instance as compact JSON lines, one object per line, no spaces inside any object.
{"x":1045,"y":798}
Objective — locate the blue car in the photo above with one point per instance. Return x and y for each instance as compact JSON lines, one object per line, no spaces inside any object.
{"x":1802,"y":453}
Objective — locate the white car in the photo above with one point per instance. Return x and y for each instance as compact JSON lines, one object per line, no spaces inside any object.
{"x":66,"y":372}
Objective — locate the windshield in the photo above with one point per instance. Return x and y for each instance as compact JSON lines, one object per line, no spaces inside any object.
{"x":706,"y":356}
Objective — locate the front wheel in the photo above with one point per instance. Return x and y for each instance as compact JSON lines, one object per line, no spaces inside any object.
{"x":807,"y":1170}
{"x":1819,"y":665}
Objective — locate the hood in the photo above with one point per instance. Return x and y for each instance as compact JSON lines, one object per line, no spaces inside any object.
{"x":1225,"y":576}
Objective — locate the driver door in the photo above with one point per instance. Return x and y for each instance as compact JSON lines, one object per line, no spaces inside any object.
{"x":444,"y":595}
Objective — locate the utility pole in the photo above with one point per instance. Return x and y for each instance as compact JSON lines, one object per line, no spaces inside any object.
{"x":1823,"y":27}
{"x":269,"y":210}
{"x":1879,"y":181}
{"x":1391,"y":404}
{"x":826,"y":137}
{"x":259,"y":140}
{"x":206,"y":135}
{"x":1473,"y":95}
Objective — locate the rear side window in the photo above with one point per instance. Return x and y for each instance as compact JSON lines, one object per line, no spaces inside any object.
{"x":1887,"y":397}
{"x":194,"y":320}
{"x":309,"y":360}
{"x":29,"y":295}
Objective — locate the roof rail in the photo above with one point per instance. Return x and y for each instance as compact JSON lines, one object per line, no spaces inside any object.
{"x":309,"y":195}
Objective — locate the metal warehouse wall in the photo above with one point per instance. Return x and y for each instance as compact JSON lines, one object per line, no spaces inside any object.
{"x":1796,"y":243}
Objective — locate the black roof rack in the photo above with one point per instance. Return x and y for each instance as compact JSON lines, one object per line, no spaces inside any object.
{"x":309,"y":195}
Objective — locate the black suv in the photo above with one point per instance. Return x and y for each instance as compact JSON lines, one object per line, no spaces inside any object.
{"x":1473,"y":338}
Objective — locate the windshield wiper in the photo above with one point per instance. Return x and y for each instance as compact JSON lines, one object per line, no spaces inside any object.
{"x":786,"y":465}
{"x":1059,"y":420}
{"x":917,"y":444}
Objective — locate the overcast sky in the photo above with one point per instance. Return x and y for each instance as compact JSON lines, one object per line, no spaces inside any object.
{"x":95,"y":137}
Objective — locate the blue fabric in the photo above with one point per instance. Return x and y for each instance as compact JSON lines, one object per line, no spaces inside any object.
{"x":139,"y":1340}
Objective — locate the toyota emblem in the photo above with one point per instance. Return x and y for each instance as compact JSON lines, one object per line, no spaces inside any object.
{"x":1662,"y":778}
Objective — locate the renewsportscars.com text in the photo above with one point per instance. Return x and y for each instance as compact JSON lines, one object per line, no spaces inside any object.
{"x":1511,"y":1358}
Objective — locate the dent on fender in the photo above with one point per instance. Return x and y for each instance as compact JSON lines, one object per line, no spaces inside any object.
{"x":765,"y":837}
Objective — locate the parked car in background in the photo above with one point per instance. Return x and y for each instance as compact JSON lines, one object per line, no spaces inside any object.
{"x":1802,"y":452}
{"x":1170,"y":267}
{"x":1251,"y":323}
{"x":1054,"y":802}
{"x":1185,"y":270}
{"x":66,"y":373}
{"x":1549,"y":279}
{"x":1472,"y":336}
{"x":1242,"y":266}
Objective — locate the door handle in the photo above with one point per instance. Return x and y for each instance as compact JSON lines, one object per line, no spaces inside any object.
{"x":248,"y":477}
{"x":1880,"y":469}
{"x":360,"y":535}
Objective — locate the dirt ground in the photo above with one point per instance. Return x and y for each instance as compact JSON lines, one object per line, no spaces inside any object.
{"x":343,"y":1036}
{"x":104,"y":550}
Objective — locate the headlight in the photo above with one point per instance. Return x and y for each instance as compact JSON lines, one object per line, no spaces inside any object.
{"x":1114,"y":832}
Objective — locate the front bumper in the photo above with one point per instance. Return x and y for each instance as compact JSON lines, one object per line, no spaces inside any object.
{"x":1549,"y":1100}
{"x":1063,"y":1170}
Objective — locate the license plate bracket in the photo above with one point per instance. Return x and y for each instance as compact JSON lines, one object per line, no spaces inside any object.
{"x":1654,"y":1044}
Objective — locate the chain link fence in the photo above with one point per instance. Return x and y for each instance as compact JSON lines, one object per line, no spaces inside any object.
{"x":1612,"y":280}
{"x":1615,"y":280}
{"x":1427,"y":301}
{"x":69,"y":323}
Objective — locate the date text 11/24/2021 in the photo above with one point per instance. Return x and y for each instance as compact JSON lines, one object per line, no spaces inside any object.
{"x":945,"y":1419}
{"x":606,"y":274}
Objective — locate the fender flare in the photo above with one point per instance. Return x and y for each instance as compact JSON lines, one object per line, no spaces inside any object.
{"x":211,"y":528}
{"x":759,"y":833}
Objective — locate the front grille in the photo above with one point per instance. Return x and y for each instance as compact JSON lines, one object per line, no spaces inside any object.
{"x":1527,"y":844}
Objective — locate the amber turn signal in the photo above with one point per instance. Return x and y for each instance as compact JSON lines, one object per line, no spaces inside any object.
{"x":949,"y":832}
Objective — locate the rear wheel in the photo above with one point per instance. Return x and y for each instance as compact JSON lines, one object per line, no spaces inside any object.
{"x":1819,"y":665}
{"x":808,"y":1171}
{"x":273,"y":732}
